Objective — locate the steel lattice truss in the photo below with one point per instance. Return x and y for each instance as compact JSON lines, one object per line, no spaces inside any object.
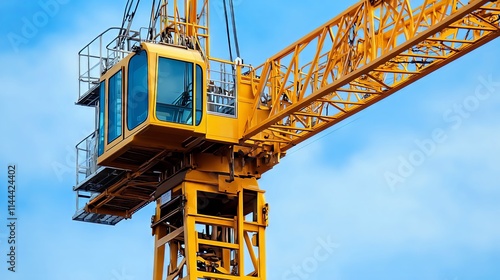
{"x":360,"y":57}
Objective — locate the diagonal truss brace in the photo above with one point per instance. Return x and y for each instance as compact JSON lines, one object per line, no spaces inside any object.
{"x":358,"y":59}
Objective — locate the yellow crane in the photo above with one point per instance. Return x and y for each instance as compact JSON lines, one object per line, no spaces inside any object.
{"x":194,"y":133}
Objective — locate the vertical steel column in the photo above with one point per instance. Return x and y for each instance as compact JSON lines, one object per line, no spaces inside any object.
{"x":217,"y":232}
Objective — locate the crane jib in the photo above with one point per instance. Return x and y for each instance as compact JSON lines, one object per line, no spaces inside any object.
{"x":356,"y":66}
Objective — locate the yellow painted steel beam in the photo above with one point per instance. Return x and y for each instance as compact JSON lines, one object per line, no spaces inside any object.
{"x":187,"y":23}
{"x":218,"y":244}
{"x":167,"y":238}
{"x":129,"y":181}
{"x":253,"y":257}
{"x":211,"y":246}
{"x":359,"y":58}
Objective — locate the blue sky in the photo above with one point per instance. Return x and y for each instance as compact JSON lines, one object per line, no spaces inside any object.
{"x":438,"y":220}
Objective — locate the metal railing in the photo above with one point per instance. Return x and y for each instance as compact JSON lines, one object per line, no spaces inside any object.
{"x":221,"y":93}
{"x":86,"y":157}
{"x":104,"y":51}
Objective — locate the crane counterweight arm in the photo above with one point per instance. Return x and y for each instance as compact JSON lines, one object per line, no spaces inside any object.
{"x":359,"y":58}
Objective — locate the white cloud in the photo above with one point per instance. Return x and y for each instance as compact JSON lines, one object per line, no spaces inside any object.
{"x":40,"y":85}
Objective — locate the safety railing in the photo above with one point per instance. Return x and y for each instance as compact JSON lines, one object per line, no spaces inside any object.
{"x":86,"y":157}
{"x":104,"y":51}
{"x":91,"y":180}
{"x":221,"y":93}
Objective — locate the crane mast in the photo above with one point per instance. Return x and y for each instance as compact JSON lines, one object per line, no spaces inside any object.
{"x":200,"y":156}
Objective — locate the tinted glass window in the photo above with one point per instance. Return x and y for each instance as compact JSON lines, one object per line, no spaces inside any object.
{"x":115,"y":107}
{"x":174,"y":101}
{"x":137,"y":100}
{"x":199,"y":94}
{"x":100,"y":143}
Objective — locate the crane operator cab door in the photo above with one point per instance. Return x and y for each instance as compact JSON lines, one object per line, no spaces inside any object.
{"x":150,"y":101}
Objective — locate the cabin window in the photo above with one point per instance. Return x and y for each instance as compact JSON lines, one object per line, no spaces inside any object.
{"x":174,"y":101}
{"x":115,"y":107}
{"x":100,"y":133}
{"x":137,"y":97}
{"x":199,"y":94}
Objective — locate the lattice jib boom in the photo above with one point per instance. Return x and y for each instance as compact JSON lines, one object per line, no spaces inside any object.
{"x":359,"y":58}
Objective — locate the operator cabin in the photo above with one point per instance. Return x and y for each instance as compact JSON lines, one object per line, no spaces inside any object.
{"x":157,"y":98}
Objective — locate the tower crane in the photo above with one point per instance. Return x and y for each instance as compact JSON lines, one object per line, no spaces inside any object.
{"x":194,"y":133}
